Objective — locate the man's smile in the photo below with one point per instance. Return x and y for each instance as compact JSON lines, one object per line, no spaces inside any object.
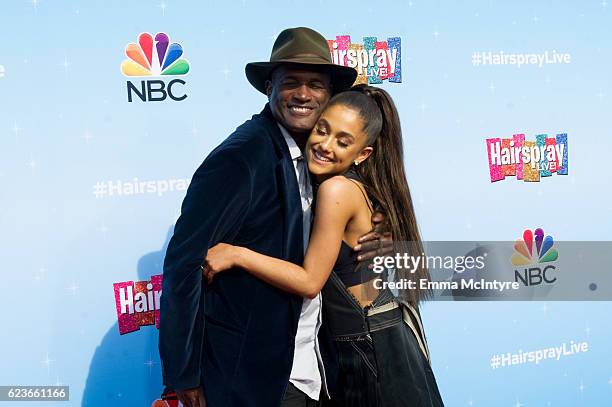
{"x":300,"y":110}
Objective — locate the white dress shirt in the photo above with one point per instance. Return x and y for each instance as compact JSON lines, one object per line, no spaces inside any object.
{"x":307,"y":370}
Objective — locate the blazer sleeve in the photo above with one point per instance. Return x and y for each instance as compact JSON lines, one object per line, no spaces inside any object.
{"x":213,"y":210}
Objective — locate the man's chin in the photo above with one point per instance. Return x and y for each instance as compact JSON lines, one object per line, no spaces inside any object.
{"x":300,"y":128}
{"x":301,"y":123}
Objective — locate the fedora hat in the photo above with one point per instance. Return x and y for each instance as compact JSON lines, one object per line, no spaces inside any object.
{"x":300,"y":46}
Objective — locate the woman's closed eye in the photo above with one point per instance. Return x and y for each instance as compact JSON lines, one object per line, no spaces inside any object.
{"x":343,"y":143}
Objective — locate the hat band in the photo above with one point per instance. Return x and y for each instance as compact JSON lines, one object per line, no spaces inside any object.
{"x":301,"y":56}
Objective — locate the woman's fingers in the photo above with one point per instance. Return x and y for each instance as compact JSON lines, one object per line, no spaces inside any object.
{"x":207,"y":270}
{"x":218,"y":258}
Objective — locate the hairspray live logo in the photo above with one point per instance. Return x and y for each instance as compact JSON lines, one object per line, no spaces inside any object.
{"x":374,"y":60}
{"x":137,"y":303}
{"x":527,"y":160}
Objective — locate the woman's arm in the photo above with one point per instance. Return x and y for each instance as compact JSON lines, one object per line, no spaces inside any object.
{"x":336,"y":206}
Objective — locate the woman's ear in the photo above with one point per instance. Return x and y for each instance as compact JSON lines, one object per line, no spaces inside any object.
{"x":364,"y":154}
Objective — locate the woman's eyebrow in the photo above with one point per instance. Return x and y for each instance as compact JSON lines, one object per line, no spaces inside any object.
{"x":345,"y":134}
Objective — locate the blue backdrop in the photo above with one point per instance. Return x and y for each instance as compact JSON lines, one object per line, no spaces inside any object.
{"x":70,"y":141}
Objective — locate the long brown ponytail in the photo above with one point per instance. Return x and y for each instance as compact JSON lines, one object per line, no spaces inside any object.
{"x":384,"y":176}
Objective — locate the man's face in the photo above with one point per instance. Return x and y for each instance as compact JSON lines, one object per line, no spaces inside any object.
{"x":297,"y":97}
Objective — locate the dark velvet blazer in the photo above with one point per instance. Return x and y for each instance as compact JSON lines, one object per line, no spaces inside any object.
{"x":236,"y":336}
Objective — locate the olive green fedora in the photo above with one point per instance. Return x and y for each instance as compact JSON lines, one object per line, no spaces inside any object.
{"x":300,"y":46}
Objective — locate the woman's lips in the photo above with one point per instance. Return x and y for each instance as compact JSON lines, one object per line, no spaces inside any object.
{"x":320,"y":159}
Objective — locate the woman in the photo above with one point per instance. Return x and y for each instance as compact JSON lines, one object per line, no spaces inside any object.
{"x":355,"y":154}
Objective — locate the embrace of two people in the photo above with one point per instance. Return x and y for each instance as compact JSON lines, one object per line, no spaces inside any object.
{"x":267,"y":295}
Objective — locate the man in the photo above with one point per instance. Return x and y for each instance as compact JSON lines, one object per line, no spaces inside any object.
{"x":239,"y":341}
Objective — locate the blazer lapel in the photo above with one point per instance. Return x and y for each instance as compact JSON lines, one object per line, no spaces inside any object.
{"x":293,"y":235}
{"x":292,"y":211}
{"x":289,"y":191}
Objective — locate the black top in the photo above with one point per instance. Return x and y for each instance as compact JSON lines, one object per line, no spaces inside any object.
{"x":347,"y":267}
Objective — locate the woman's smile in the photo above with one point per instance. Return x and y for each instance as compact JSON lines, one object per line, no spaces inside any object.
{"x":320,"y":158}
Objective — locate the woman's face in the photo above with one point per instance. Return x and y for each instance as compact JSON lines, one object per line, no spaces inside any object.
{"x":336,"y":142}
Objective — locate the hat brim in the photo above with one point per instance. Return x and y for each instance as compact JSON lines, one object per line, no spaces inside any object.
{"x":342,"y":77}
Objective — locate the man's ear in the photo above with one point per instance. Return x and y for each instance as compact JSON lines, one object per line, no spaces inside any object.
{"x":268,"y":88}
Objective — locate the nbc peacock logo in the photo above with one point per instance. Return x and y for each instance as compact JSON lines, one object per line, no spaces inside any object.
{"x":154,"y":57}
{"x":524,"y":249}
{"x":164,"y":58}
{"x":534,"y":248}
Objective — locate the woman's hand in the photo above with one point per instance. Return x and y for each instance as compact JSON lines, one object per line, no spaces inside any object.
{"x":219,"y":258}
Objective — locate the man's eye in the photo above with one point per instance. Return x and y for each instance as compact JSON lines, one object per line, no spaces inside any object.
{"x":316,"y":85}
{"x":342,"y":143}
{"x":321,"y":131}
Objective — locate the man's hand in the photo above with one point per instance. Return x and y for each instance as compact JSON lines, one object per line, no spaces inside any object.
{"x":377,"y":242}
{"x":192,"y":397}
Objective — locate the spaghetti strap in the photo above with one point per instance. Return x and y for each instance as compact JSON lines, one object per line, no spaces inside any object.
{"x":361,"y":189}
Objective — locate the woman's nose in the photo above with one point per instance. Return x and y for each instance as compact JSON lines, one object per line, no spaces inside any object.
{"x":327,"y":143}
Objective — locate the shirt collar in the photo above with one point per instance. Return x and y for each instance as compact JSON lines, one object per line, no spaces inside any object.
{"x":294,"y":150}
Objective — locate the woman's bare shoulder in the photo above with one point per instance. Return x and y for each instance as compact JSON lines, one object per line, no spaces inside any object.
{"x":340,"y":190}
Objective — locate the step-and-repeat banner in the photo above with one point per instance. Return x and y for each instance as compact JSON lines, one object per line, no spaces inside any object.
{"x":107,"y":108}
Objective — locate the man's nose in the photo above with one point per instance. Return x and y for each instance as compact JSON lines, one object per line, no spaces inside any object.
{"x":302,"y":93}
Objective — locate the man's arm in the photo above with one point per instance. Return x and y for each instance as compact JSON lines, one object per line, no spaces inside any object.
{"x":214,"y":208}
